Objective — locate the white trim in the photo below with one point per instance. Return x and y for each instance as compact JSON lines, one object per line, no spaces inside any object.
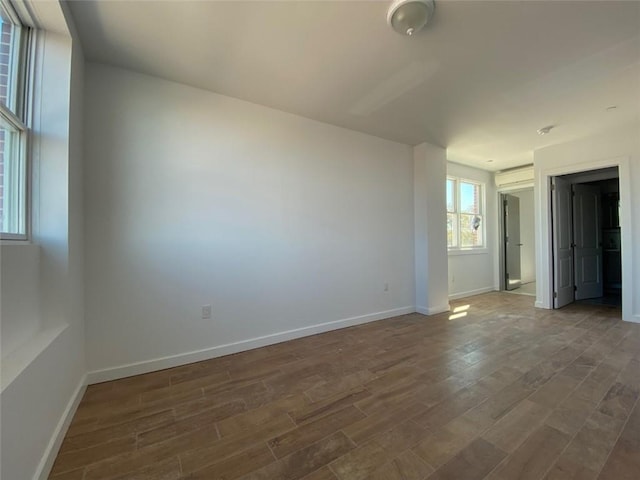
{"x":146,"y":366}
{"x":470,"y":293}
{"x":46,"y":16}
{"x":453,"y":251}
{"x":51,"y":452}
{"x":544,"y":267}
{"x":626,"y":241}
{"x":433,"y":310}
{"x":4,"y":241}
{"x":635,"y":318}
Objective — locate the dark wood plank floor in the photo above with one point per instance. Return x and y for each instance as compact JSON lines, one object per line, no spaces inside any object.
{"x":499,"y":391}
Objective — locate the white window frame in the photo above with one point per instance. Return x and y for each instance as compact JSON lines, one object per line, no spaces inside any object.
{"x":18,"y":173}
{"x":457,"y":247}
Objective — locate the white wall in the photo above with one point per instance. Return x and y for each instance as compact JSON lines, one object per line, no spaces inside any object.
{"x":527,"y":236}
{"x":43,"y":370}
{"x":430,"y":228}
{"x":20,"y":290}
{"x":618,"y":147}
{"x":192,"y":198}
{"x":471,"y":272}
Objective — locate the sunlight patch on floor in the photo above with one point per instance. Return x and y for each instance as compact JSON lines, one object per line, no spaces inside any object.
{"x":457,"y":315}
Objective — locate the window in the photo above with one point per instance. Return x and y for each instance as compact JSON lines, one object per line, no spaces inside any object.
{"x":465,"y":214}
{"x":13,"y":131}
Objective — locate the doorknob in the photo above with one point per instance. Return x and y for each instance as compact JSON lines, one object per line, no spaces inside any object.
{"x":519,"y":244}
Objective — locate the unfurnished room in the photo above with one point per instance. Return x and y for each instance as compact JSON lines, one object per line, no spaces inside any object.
{"x":319,"y":240}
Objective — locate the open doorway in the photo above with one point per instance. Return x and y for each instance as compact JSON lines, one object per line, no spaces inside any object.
{"x":518,"y":242}
{"x":555,"y":166}
{"x":586,"y":246}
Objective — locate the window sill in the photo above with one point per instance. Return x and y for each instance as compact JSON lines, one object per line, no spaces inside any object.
{"x":19,"y":359}
{"x":13,"y":241}
{"x":468,"y":251}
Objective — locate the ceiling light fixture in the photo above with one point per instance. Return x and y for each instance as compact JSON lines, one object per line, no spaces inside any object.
{"x":545,"y":130}
{"x":408,"y":17}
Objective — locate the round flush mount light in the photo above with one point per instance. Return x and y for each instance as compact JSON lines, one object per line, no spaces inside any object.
{"x":545,"y":130}
{"x":408,"y":17}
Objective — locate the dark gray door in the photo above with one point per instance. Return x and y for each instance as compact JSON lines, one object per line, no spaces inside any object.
{"x":562,"y":224}
{"x":587,"y":237}
{"x":513,"y":277}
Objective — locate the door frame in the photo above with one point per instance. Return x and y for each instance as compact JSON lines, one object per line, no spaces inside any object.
{"x":508,"y":240}
{"x":544,"y":248}
{"x":499,"y":265}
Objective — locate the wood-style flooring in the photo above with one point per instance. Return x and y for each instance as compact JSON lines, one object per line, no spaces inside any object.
{"x":494,"y":390}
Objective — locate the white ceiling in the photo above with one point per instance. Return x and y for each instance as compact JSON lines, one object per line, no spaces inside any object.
{"x":480,"y":80}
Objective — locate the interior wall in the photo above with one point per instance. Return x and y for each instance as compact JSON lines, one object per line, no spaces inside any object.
{"x":430,"y":228}
{"x":527,"y":235}
{"x":471,"y":272}
{"x":44,"y":370}
{"x":619,"y":146}
{"x":281,"y":223}
{"x":20,"y":291}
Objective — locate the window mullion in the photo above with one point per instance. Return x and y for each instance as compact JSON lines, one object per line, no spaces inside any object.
{"x":459,"y":229}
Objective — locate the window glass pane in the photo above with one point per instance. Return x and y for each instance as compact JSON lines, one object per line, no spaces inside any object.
{"x":469,"y":198}
{"x":452,"y":230}
{"x":12,"y":181}
{"x":9,"y":56}
{"x":451,"y":190}
{"x":471,"y":228}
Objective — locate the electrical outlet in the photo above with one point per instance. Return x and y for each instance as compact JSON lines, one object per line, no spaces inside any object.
{"x":206,"y":312}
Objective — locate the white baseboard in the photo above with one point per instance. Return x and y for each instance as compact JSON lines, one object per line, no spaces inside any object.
{"x":538,"y":304}
{"x":471,"y":293}
{"x":635,"y":318}
{"x":147,"y":366}
{"x":51,"y":452}
{"x":433,"y":310}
